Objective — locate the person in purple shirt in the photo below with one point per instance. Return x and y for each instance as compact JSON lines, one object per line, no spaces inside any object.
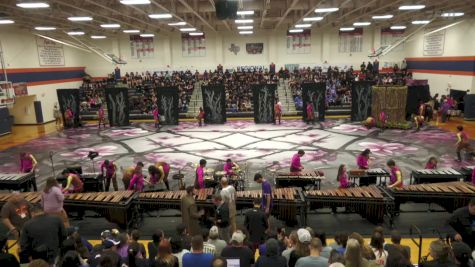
{"x":27,"y":162}
{"x":110,"y":169}
{"x":295,"y":165}
{"x":266,"y":204}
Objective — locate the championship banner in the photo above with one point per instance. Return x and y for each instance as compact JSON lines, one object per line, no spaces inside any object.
{"x":314,"y":93}
{"x":193,"y":46}
{"x":141,"y":47}
{"x":69,"y":98}
{"x":167,"y":102}
{"x":361,"y":93}
{"x":416,"y":93}
{"x":299,"y":43}
{"x":390,"y":37}
{"x":351,"y":42}
{"x":117,"y":100}
{"x":214,"y":104}
{"x":264,"y":98}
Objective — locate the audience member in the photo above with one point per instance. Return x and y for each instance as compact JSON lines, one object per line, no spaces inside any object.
{"x":222,"y":217}
{"x":256,"y":223}
{"x":177,"y":250}
{"x":15,"y":213}
{"x":164,"y":257}
{"x":237,"y":250}
{"x":135,"y":237}
{"x":153,"y":246}
{"x":314,"y":259}
{"x":336,"y":259}
{"x":353,"y":254}
{"x":197,"y":258}
{"x":272,"y":256}
{"x":6,"y":259}
{"x":219,"y":262}
{"x":396,"y":240}
{"x":38,"y":263}
{"x":182,"y":235}
{"x":291,"y":243}
{"x":440,"y":253}
{"x":302,"y":247}
{"x":377,"y":244}
{"x":366,"y":251}
{"x":326,"y":250}
{"x":213,"y":239}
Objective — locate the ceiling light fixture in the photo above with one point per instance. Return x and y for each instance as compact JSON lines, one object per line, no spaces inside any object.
{"x":245,"y":12}
{"x":418,"y":22}
{"x":135,"y":2}
{"x":246,"y":32}
{"x":347,"y":29}
{"x":398,"y":27}
{"x":80,"y":18}
{"x":181,"y":23}
{"x":412,"y":7}
{"x":295,"y":30}
{"x":196,"y":33}
{"x":110,"y":26}
{"x":326,"y":10}
{"x":75,"y":33}
{"x":362,"y":23}
{"x":453,"y":14}
{"x":188,"y":29}
{"x":33,"y":5}
{"x":131,"y":31}
{"x":98,"y":37}
{"x":303,"y":25}
{"x":313,"y":19}
{"x":382,"y":17}
{"x":147,"y":35}
{"x":41,"y":28}
{"x":160,"y":16}
{"x":241,"y":21}
{"x":245,"y":27}
{"x":6,"y":21}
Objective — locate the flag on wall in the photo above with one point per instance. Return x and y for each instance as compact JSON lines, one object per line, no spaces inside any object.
{"x":141,"y":47}
{"x":193,"y":46}
{"x":351,"y":42}
{"x":389,"y":37}
{"x":254,"y":48}
{"x":299,"y":42}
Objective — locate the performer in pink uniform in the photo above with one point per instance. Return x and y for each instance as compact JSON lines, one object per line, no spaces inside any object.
{"x":277,"y":111}
{"x":473,"y":176}
{"x":69,"y":114}
{"x":295,"y":165}
{"x":159,"y":172}
{"x":101,"y":116}
{"x":343,"y":177}
{"x":363,"y":159}
{"x":110,"y":169}
{"x":383,"y":119}
{"x":74,"y":184}
{"x":395,"y":179}
{"x":156,"y":117}
{"x":310,"y":115}
{"x":463,"y":143}
{"x":27,"y":162}
{"x":137,"y":182}
{"x":200,"y":175}
{"x":200,"y":117}
{"x":431,"y":164}
{"x":229,"y":167}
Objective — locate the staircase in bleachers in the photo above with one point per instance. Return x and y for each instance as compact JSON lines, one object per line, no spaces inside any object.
{"x":285,"y":97}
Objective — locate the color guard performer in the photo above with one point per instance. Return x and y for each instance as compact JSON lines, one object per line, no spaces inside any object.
{"x":111,"y":174}
{"x":395,"y":179}
{"x":200,"y":175}
{"x":295,"y":165}
{"x":310,"y":114}
{"x":156,"y":117}
{"x":277,"y":111}
{"x":101,"y":116}
{"x":69,"y":115}
{"x":342,"y":177}
{"x":28,"y":163}
{"x":74,"y":184}
{"x":159,"y":173}
{"x":362,"y":161}
{"x":200,"y":117}
{"x":463,"y":143}
{"x":431,"y":163}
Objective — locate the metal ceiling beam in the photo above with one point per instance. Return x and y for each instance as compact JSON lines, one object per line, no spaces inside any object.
{"x":346,"y":14}
{"x":287,"y":11}
{"x":265,"y":7}
{"x":205,"y":22}
{"x":224,"y":22}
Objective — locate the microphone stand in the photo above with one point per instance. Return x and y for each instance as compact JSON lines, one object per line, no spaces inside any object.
{"x":52,"y":162}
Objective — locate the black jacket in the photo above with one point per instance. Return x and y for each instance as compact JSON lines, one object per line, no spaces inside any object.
{"x":222,"y":216}
{"x":461,"y":222}
{"x":255,"y":221}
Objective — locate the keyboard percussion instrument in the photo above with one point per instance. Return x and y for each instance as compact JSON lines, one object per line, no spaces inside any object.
{"x":303,"y":179}
{"x":18,"y":181}
{"x":435,"y":176}
{"x":369,"y":176}
{"x":93,"y":182}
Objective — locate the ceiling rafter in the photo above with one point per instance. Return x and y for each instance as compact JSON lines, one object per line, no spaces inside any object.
{"x":224,"y":21}
{"x":287,"y":11}
{"x":265,"y":7}
{"x":205,"y":22}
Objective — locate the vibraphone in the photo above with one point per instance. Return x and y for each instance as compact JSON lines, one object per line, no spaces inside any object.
{"x":32,"y":197}
{"x":435,"y":176}
{"x":467,"y":173}
{"x":172,"y":199}
{"x":117,"y":207}
{"x":18,"y":181}
{"x":93,"y":182}
{"x":301,"y":179}
{"x":371,"y":202}
{"x":369,"y":176}
{"x":287,"y":203}
{"x":450,"y":196}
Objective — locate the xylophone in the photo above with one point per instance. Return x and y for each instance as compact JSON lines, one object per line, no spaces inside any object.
{"x":117,"y":207}
{"x":435,"y":176}
{"x":287,"y":202}
{"x":467,"y":173}
{"x":172,"y":199}
{"x":371,"y":202}
{"x":301,"y":179}
{"x":93,"y":182}
{"x":18,"y":181}
{"x":450,"y":196}
{"x":369,"y":176}
{"x":32,"y":197}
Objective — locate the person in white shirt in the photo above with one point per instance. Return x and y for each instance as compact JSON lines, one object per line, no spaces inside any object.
{"x":377,"y":244}
{"x":178,"y":250}
{"x":228,"y":193}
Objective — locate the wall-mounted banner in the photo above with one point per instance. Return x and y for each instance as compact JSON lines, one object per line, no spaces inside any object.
{"x":434,"y":43}
{"x":351,"y":42}
{"x":69,"y":98}
{"x":214,"y":104}
{"x":299,"y":42}
{"x":49,"y":53}
{"x":254,"y":48}
{"x":361,"y":100}
{"x":390,"y":37}
{"x":314,"y":93}
{"x":117,"y":100}
{"x":20,"y":89}
{"x":167,"y":102}
{"x":264,"y":98}
{"x":141,"y":47}
{"x":193,"y":46}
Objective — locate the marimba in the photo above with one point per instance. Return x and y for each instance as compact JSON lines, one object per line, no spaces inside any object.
{"x":287,"y":203}
{"x":301,"y":179}
{"x":371,"y":202}
{"x":369,"y":176}
{"x":435,"y":176}
{"x":467,"y":173}
{"x":172,"y":199}
{"x":117,"y":207}
{"x":450,"y":196}
{"x":93,"y":182}
{"x":18,"y":181}
{"x":31,"y":197}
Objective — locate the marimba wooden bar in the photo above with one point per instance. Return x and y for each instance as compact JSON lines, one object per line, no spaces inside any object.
{"x":301,"y":179}
{"x":18,"y":181}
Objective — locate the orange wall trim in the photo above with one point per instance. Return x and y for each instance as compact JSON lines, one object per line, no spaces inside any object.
{"x":445,"y":72}
{"x":54,"y":81}
{"x":461,"y":58}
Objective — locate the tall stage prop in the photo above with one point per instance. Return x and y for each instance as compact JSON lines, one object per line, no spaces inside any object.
{"x":167,"y":102}
{"x":361,"y":95}
{"x":469,"y":106}
{"x":314,"y":93}
{"x":392,"y":100}
{"x":214,"y":104}
{"x":69,"y":98}
{"x":264,"y":98}
{"x":117,"y":99}
{"x":416,"y":93}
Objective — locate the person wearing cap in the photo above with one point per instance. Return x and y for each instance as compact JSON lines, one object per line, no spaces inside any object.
{"x":302,"y":248}
{"x":213,"y":239}
{"x":256,"y":223}
{"x":237,"y":250}
{"x":108,"y":252}
{"x":221,"y":217}
{"x":271,"y":256}
{"x":197,"y":258}
{"x":189,"y":212}
{"x":462,"y":221}
{"x":295,"y":165}
{"x":462,"y":253}
{"x":314,"y":259}
{"x":228,"y":193}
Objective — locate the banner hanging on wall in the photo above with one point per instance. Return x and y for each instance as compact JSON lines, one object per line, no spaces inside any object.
{"x":141,"y":47}
{"x":167,"y":102}
{"x":49,"y":53}
{"x":69,"y":98}
{"x":254,"y":48}
{"x":361,"y":100}
{"x":351,"y":42}
{"x":117,"y":100}
{"x":390,"y":37}
{"x":20,"y":89}
{"x":434,"y":43}
{"x":299,"y":42}
{"x":214,"y":104}
{"x":264,"y":98}
{"x":193,"y":46}
{"x":314,"y":93}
